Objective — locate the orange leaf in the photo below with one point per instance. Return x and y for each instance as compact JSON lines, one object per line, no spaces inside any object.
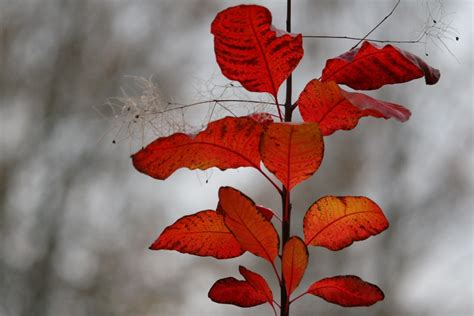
{"x":347,"y":290}
{"x":231,"y":142}
{"x":370,"y":67}
{"x":253,"y":231}
{"x":294,"y":263}
{"x":250,"y":50}
{"x":236,"y":292}
{"x":292,"y":152}
{"x":335,"y":109}
{"x":336,"y":222}
{"x":258,"y":283}
{"x":201,"y":234}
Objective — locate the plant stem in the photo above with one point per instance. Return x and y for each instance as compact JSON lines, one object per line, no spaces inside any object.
{"x":286,"y":204}
{"x":285,"y":235}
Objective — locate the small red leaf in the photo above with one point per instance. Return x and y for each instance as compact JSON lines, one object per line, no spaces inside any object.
{"x":347,"y":291}
{"x":253,"y":231}
{"x":371,"y":67}
{"x":292,"y":152}
{"x":335,"y":109}
{"x":250,"y":50}
{"x":336,"y":222}
{"x":266,"y":212}
{"x":294,"y":263}
{"x":201,"y":234}
{"x":258,"y":283}
{"x":235,"y":292}
{"x":231,"y":142}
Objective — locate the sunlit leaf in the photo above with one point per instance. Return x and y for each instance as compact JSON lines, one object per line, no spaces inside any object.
{"x":201,"y":234}
{"x":250,"y":50}
{"x":292,"y":152}
{"x":371,"y":67}
{"x":253,"y":231}
{"x":294,"y":263}
{"x":336,"y":222}
{"x":236,"y":292}
{"x":347,"y":290}
{"x":231,"y":142}
{"x":335,"y":109}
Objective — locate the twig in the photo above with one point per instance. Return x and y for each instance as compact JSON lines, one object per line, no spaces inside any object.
{"x":378,"y":24}
{"x":418,"y":40}
{"x":182,"y":106}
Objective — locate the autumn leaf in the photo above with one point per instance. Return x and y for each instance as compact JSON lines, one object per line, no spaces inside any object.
{"x":253,"y":231}
{"x":292,"y":152}
{"x":372,"y":67}
{"x":294,"y":263}
{"x":266,"y":212}
{"x":201,"y":234}
{"x":335,"y":109}
{"x":251,"y":51}
{"x":251,"y":292}
{"x":347,"y":291}
{"x":236,"y":292}
{"x":258,"y":283}
{"x":231,"y":142}
{"x":336,"y":222}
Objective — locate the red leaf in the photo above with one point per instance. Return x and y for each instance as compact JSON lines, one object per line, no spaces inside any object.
{"x":235,"y":292}
{"x":262,"y":118}
{"x":292,"y":152}
{"x":201,"y":234}
{"x":258,"y":283}
{"x":336,"y":222}
{"x":371,"y":67}
{"x":348,"y":291}
{"x":226,"y":143}
{"x":254,"y":232}
{"x":335,"y":109}
{"x":266,"y":212}
{"x":294,"y":263}
{"x":250,"y":50}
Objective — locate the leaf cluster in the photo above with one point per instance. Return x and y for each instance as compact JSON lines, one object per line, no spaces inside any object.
{"x":260,"y":57}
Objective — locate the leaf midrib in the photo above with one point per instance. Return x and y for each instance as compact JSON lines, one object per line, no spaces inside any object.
{"x":262,"y":53}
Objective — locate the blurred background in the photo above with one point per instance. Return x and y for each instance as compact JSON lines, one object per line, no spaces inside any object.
{"x":76,"y":219}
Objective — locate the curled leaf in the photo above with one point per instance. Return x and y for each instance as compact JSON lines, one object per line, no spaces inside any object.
{"x":335,"y":109}
{"x":371,"y":67}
